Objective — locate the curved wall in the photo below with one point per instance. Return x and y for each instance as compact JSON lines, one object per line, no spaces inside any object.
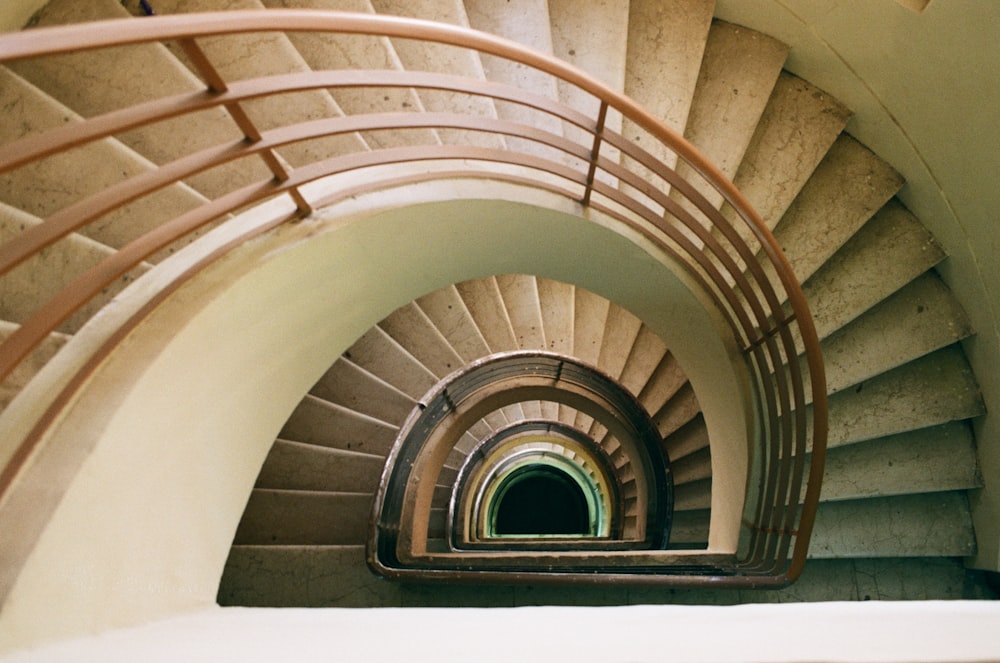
{"x":180,"y":417}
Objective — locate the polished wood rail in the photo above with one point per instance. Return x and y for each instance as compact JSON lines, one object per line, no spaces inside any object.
{"x":728,"y":259}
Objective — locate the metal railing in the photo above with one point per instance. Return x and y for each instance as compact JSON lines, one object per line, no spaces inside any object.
{"x":729,"y":260}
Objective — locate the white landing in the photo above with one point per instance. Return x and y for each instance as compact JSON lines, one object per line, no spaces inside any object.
{"x":872,"y":631}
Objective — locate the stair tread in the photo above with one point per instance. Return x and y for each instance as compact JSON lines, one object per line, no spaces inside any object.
{"x":519,"y":293}
{"x":918,"y":319}
{"x":304,"y":517}
{"x":645,"y":356}
{"x":941,"y":458}
{"x":933,"y":524}
{"x":297,"y":466}
{"x":378,"y":353}
{"x":858,"y":276}
{"x":321,"y":423}
{"x":485,"y":304}
{"x":847,"y":188}
{"x":620,"y":332}
{"x":125,"y":81}
{"x":449,"y":314}
{"x":738,"y":72}
{"x":272,"y":53}
{"x":931,"y":390}
{"x":796,"y":130}
{"x":329,"y":52}
{"x":433,"y":57}
{"x":347,"y":384}
{"x":51,"y":184}
{"x":412,"y":329}
{"x":43,"y":276}
{"x":507,"y":20}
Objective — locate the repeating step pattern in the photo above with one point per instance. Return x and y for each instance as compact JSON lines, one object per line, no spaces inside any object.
{"x":902,"y":452}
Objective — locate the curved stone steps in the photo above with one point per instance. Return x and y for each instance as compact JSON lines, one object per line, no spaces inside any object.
{"x":352,"y":52}
{"x":125,"y":80}
{"x":249,"y":56}
{"x":433,"y":57}
{"x":44,"y":275}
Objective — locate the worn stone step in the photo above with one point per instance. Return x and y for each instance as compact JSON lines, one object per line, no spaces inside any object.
{"x":688,"y":439}
{"x":928,"y":525}
{"x":847,"y":188}
{"x":620,"y":334}
{"x":934,"y":389}
{"x":738,"y":72}
{"x":679,"y":410}
{"x":298,"y":517}
{"x":520,"y":297}
{"x":238,"y":57}
{"x":689,"y":529}
{"x":323,"y":51}
{"x":666,"y":39}
{"x":936,"y":459}
{"x":303,"y":576}
{"x":297,"y":466}
{"x":416,"y":56}
{"x":858,"y":276}
{"x":594,"y":37}
{"x":695,"y":466}
{"x":126,"y":80}
{"x":920,"y":318}
{"x":380,"y":354}
{"x":485,"y":304}
{"x":51,"y":184}
{"x":40,"y":278}
{"x":346,"y":384}
{"x":796,"y":129}
{"x":322,"y":423}
{"x":410,"y":327}
{"x":508,"y":20}
{"x":692,"y":496}
{"x":666,"y":380}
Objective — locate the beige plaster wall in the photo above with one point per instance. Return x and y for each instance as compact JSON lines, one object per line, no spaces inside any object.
{"x":178,"y":420}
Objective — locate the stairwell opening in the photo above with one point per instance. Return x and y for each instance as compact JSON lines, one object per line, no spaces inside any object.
{"x":539,"y":500}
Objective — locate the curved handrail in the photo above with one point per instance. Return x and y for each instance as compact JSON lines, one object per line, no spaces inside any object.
{"x":693,"y":232}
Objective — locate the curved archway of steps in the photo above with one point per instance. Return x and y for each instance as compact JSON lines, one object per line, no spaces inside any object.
{"x":143,"y":499}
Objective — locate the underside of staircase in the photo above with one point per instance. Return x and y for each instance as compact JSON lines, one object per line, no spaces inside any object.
{"x":894,"y":519}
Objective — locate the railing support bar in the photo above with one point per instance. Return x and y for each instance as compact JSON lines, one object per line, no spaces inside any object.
{"x":595,"y":151}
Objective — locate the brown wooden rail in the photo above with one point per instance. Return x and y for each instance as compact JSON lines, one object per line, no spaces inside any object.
{"x":761,"y":311}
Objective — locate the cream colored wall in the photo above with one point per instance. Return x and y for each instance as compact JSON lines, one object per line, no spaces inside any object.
{"x":178,"y":420}
{"x":923,"y":88}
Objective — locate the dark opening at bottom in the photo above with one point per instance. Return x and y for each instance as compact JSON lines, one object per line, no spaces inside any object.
{"x":542,"y":500}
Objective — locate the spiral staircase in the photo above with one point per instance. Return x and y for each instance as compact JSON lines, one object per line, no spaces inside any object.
{"x":894,"y":518}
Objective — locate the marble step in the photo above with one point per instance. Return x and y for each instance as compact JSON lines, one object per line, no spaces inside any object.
{"x":378,"y":353}
{"x":300,"y":517}
{"x":797,"y":128}
{"x":298,"y":466}
{"x":928,"y":460}
{"x":738,"y":72}
{"x":40,"y":278}
{"x":508,"y":20}
{"x":918,"y":319}
{"x":926,"y":525}
{"x":125,"y":80}
{"x":348,"y":385}
{"x":416,"y":56}
{"x":932,"y":390}
{"x":858,"y":276}
{"x":321,"y":423}
{"x":58,"y":181}
{"x":324,"y":51}
{"x":247,"y":56}
{"x":666,"y":40}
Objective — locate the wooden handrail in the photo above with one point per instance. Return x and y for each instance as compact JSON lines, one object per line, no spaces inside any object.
{"x":696,"y":233}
